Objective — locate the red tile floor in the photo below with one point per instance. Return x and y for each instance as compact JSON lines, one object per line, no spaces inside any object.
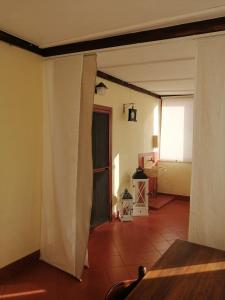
{"x":115,"y":251}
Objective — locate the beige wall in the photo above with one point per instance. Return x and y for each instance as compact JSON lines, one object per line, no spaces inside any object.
{"x":129,"y":138}
{"x":174,"y":178}
{"x":20,"y":152}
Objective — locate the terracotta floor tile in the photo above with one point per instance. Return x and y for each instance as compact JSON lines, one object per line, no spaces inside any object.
{"x":162,"y":246}
{"x":116,"y":250}
{"x":170,"y":236}
{"x":101,"y":261}
{"x":101,"y":248}
{"x":141,"y":258}
{"x":117,"y":274}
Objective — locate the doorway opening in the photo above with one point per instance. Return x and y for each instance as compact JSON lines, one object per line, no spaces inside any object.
{"x":102,"y":165}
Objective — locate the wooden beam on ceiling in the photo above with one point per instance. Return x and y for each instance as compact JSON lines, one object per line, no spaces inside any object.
{"x":164,"y":33}
{"x":15,"y":41}
{"x":126,"y":84}
{"x":178,"y":95}
{"x":171,"y":32}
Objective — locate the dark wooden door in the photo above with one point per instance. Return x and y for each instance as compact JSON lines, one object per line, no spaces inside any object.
{"x":102,"y":165}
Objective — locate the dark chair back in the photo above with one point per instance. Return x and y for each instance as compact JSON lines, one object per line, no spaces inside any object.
{"x":122,"y":289}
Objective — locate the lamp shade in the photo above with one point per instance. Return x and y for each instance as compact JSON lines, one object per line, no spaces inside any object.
{"x":126,"y":195}
{"x":139,"y":174}
{"x":155,"y":141}
{"x":100,"y":88}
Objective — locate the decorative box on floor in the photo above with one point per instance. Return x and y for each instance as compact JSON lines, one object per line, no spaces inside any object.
{"x":140,"y":185}
{"x":126,"y":206}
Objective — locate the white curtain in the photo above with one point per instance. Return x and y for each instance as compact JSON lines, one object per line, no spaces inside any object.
{"x":207,"y":214}
{"x":64,"y":111}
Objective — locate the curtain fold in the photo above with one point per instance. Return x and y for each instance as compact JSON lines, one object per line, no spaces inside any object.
{"x":207,"y":213}
{"x":64,"y":109}
{"x":85,"y":166}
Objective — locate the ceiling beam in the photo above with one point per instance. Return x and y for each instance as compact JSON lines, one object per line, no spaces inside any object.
{"x":13,"y":40}
{"x":126,"y":84}
{"x":171,"y":32}
{"x":164,"y":33}
{"x":177,"y":95}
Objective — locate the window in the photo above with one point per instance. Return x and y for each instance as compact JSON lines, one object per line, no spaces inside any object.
{"x":177,"y":129}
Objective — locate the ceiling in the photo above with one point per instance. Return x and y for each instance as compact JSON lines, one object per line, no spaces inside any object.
{"x":50,"y":22}
{"x":166,"y":68}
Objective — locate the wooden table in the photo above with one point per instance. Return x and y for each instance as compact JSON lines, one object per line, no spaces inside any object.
{"x":186,"y":271}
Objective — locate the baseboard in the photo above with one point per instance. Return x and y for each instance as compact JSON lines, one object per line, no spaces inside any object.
{"x":176,"y":197}
{"x":19,"y":265}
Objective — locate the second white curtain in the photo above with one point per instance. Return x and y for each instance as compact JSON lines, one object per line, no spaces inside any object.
{"x":207,"y":214}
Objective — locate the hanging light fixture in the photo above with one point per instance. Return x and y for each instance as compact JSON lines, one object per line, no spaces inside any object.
{"x":100,"y":88}
{"x":132,"y":112}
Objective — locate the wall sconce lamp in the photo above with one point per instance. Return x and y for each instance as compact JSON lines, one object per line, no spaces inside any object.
{"x":100,"y":89}
{"x":132,"y":112}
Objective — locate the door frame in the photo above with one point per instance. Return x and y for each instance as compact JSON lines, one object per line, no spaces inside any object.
{"x":107,"y":110}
